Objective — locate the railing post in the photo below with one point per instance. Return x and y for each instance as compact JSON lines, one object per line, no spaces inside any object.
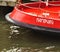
{"x":47,"y":2}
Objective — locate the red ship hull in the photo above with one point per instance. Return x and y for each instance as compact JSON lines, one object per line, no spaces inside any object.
{"x":30,"y":15}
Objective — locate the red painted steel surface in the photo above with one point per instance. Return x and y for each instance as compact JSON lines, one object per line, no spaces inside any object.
{"x":38,"y":14}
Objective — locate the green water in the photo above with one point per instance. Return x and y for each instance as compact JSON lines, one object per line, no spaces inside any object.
{"x":45,"y":41}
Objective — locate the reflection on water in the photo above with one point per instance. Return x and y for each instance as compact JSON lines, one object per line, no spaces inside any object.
{"x":14,"y":31}
{"x":19,"y":39}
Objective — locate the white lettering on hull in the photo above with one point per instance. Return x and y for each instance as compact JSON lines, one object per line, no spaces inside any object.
{"x":46,"y":21}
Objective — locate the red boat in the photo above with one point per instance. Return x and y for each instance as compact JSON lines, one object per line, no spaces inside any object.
{"x":41,"y":15}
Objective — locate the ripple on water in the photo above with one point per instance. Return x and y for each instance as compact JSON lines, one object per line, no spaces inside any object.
{"x":27,"y":49}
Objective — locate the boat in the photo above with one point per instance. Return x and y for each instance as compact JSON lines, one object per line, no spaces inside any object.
{"x":40,"y":15}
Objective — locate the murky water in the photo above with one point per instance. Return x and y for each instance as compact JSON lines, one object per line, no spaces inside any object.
{"x":19,"y":39}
